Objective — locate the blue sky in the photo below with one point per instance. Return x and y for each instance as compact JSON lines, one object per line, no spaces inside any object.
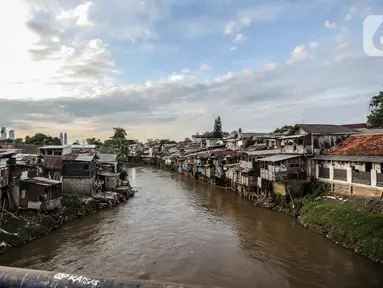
{"x":167,"y":68}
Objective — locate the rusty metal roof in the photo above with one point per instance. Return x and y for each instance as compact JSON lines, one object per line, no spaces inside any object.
{"x":360,"y":145}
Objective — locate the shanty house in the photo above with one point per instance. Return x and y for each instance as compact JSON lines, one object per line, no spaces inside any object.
{"x":79,"y":174}
{"x":314,"y":139}
{"x":38,"y":193}
{"x":56,"y":150}
{"x":282,"y":167}
{"x":354,"y":166}
{"x":107,"y":162}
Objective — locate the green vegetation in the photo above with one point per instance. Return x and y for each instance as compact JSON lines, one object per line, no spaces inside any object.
{"x":375,"y":119}
{"x":361,"y":231}
{"x":42,"y":139}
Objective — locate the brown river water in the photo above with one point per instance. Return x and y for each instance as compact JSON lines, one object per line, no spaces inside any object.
{"x":177,"y":229}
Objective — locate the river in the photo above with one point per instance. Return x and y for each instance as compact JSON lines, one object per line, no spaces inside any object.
{"x":177,"y":229}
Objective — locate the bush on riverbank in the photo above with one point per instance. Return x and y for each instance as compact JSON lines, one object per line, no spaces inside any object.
{"x":363,"y":232}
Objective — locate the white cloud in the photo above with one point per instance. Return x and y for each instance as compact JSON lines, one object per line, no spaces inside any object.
{"x":205,"y":67}
{"x":185,"y":70}
{"x":299,"y":53}
{"x":329,"y":25}
{"x":233,"y":48}
{"x":230,"y":27}
{"x":313,"y":45}
{"x":238,"y":37}
{"x":348,"y":17}
{"x":80,"y":13}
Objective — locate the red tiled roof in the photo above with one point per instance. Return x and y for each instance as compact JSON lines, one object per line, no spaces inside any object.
{"x":360,"y":145}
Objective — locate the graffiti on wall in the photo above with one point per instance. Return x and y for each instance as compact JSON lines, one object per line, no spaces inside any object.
{"x":77,"y":279}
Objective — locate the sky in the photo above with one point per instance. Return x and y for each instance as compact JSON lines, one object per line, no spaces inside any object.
{"x":168,"y":68}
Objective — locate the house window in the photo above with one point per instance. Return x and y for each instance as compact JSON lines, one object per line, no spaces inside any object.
{"x":86,"y":166}
{"x":295,"y":147}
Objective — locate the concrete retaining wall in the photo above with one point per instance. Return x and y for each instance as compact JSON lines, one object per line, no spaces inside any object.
{"x":79,"y":186}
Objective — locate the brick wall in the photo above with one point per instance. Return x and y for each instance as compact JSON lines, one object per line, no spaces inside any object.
{"x":79,"y":186}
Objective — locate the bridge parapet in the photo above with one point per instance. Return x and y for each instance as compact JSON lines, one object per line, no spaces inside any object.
{"x":24,"y":278}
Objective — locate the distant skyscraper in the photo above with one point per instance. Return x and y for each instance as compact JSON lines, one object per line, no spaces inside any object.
{"x":65,"y":139}
{"x":3,"y":133}
{"x":61,"y":138}
{"x":12,"y":134}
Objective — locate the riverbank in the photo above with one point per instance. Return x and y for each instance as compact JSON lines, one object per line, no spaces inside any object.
{"x":25,"y":226}
{"x":352,"y":222}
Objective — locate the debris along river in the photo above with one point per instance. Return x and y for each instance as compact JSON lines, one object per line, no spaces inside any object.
{"x":177,"y":229}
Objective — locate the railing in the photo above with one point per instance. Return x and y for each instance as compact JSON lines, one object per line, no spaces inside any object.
{"x":25,"y":278}
{"x":324,"y":172}
{"x":340,"y":174}
{"x":361,"y":177}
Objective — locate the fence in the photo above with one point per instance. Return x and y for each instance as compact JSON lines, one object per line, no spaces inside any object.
{"x":361,"y":177}
{"x":340,"y":174}
{"x":324,"y":172}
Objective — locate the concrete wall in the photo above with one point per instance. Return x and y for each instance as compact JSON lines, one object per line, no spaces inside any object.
{"x":79,"y":186}
{"x":359,"y":190}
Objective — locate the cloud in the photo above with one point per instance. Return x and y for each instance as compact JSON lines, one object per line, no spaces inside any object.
{"x":329,"y":25}
{"x":205,"y":67}
{"x":238,"y":37}
{"x":302,"y":52}
{"x":80,"y":14}
{"x":255,"y":13}
{"x":80,"y":79}
{"x":233,"y":48}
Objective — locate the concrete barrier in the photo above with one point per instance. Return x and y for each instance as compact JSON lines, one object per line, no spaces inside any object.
{"x":25,"y":278}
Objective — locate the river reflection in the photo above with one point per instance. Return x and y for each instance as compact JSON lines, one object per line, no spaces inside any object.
{"x":180,"y":230}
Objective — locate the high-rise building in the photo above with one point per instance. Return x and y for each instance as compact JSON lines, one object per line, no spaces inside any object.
{"x":65,"y":139}
{"x":61,"y":138}
{"x":3,"y":133}
{"x":12,"y":134}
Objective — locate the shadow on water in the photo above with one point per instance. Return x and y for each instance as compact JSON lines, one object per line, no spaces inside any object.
{"x":181,"y":230}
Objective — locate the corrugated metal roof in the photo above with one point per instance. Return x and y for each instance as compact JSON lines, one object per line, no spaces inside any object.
{"x":370,"y":131}
{"x":280,"y":157}
{"x":88,"y":146}
{"x":326,"y":129}
{"x":54,"y":146}
{"x":347,"y":158}
{"x":7,"y":152}
{"x":41,"y":181}
{"x":85,"y":157}
{"x":103,"y":157}
{"x":263,"y":152}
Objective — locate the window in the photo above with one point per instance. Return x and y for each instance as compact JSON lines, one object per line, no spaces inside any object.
{"x":86,"y":166}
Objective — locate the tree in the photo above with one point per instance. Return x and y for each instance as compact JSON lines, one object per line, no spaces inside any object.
{"x":19,"y":140}
{"x":167,"y":141}
{"x":76,"y":142}
{"x":284,"y":128}
{"x":42,"y":139}
{"x":94,"y":141}
{"x":117,"y":144}
{"x":375,"y":119}
{"x":119,"y":133}
{"x":217,"y":131}
{"x":240,"y":130}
